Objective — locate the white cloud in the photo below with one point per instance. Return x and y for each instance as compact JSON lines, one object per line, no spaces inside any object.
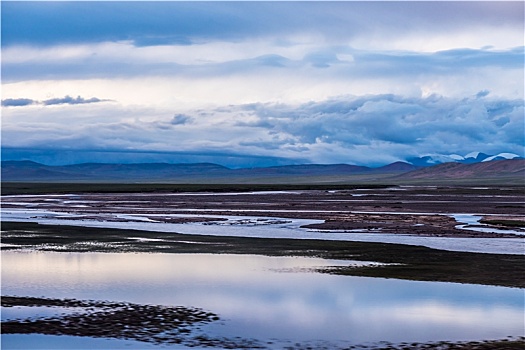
{"x":287,"y":61}
{"x":222,"y":85}
{"x":373,"y":129}
{"x":126,"y":52}
{"x":499,"y":38}
{"x":218,"y":73}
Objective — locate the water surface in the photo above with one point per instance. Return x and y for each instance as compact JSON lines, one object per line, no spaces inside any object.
{"x":268,"y":298}
{"x":265,"y":227}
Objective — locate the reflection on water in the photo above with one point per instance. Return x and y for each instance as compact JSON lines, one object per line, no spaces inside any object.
{"x":470,"y":219}
{"x":268,"y":297}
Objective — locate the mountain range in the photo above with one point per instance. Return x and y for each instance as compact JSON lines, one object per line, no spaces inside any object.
{"x":470,"y":158}
{"x":511,"y":171}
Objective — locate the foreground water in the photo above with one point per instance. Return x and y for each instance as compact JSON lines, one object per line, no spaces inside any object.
{"x":269,"y":299}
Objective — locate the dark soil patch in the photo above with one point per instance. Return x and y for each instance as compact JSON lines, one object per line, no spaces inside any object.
{"x":10,"y":188}
{"x":418,"y":225}
{"x":503,"y":223}
{"x":102,"y":319}
{"x":164,"y":325}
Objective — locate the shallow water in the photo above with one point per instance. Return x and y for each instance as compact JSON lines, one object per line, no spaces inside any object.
{"x":266,"y":227}
{"x":266,"y":298}
{"x":472,"y":219}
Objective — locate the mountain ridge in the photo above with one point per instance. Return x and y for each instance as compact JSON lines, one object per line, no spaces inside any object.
{"x":28,"y":171}
{"x":470,"y":158}
{"x":451,"y":170}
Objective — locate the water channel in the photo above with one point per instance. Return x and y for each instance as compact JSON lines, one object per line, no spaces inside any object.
{"x":267,"y":227}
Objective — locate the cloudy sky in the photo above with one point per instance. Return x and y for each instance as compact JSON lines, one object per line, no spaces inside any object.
{"x":260,"y":83}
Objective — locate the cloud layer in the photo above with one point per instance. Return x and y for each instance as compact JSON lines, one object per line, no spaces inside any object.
{"x":182,"y":23}
{"x":324,"y":82}
{"x":20,"y":102}
{"x":371,"y":130}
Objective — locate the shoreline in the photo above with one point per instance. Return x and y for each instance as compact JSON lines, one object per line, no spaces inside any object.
{"x":403,"y":261}
{"x":422,"y":211}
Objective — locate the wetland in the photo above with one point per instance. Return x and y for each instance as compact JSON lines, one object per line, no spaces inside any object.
{"x":283,"y":268}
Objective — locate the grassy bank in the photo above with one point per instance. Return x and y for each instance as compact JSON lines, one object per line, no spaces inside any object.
{"x":409,"y":262}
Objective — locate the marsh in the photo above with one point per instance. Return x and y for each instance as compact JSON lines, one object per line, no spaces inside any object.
{"x":264,"y":267}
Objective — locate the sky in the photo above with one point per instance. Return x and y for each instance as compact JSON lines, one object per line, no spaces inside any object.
{"x":247,"y":84}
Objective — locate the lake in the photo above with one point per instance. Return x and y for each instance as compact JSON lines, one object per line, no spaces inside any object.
{"x":272,"y":300}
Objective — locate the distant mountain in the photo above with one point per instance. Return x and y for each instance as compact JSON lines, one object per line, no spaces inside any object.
{"x":501,"y":156}
{"x":144,"y":170}
{"x":397,"y":167}
{"x":31,"y":171}
{"x":306,"y":169}
{"x":509,"y":168}
{"x":151,"y":172}
{"x":25,"y":171}
{"x":470,"y":158}
{"x":475,"y":157}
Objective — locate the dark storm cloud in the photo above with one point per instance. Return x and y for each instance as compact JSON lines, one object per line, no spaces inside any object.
{"x":418,"y":123}
{"x":17,"y":102}
{"x":51,"y":23}
{"x":21,"y":102}
{"x":181,"y":119}
{"x":71,"y":100}
{"x":46,"y":26}
{"x":482,"y":93}
{"x":73,"y":155}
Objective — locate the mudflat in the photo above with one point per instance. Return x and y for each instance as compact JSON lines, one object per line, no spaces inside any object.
{"x":413,"y":210}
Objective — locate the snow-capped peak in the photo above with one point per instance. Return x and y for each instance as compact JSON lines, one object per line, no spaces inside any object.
{"x":501,"y":155}
{"x":456,"y":157}
{"x":472,"y":155}
{"x":441,"y":158}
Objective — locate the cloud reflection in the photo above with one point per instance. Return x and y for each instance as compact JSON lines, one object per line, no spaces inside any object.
{"x":257,"y":300}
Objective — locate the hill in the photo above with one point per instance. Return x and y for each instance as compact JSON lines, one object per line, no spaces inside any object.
{"x":497,"y":171}
{"x":193,"y":172}
{"x":512,"y":170}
